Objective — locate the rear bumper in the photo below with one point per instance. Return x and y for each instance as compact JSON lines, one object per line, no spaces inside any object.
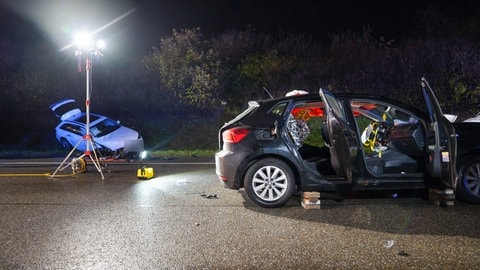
{"x":226,"y":167}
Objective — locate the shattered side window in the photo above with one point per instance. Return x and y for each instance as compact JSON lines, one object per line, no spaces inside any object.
{"x":298,"y":130}
{"x":304,"y":124}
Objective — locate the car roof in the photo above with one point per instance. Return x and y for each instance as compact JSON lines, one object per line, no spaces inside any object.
{"x":342,"y":96}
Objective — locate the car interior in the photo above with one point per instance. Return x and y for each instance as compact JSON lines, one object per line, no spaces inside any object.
{"x":305,"y":126}
{"x":393,"y":140}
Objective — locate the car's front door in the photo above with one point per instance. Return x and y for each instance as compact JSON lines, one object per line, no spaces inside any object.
{"x":442,"y":142}
{"x":343,"y":140}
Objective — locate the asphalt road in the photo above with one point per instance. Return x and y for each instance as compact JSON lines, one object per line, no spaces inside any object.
{"x":184,"y":219}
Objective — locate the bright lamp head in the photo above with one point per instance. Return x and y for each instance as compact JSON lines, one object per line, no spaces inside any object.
{"x":84,"y":41}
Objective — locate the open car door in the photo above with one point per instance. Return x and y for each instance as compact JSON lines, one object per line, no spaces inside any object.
{"x":442,"y":141}
{"x":343,"y":141}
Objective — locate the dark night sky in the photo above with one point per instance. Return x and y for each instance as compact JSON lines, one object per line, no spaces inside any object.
{"x":144,"y":22}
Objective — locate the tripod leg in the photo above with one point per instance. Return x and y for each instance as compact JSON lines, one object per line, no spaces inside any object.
{"x":94,"y":159}
{"x":61,"y":167}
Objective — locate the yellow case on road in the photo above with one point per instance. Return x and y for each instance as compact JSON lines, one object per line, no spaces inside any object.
{"x":145,"y":173}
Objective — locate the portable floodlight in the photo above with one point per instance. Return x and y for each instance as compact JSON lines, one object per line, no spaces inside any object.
{"x":86,"y":48}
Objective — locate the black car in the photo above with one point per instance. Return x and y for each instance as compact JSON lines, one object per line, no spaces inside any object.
{"x":335,"y":144}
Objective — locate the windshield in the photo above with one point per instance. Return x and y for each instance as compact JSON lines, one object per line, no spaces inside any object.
{"x":104,"y":127}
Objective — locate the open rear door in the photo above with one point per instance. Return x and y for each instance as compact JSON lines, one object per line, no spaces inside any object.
{"x":442,"y":142}
{"x":343,"y":140}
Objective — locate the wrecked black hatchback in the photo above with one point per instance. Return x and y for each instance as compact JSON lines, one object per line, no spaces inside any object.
{"x":340,"y":143}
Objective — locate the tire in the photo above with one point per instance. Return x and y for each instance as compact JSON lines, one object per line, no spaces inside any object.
{"x":468,"y":188}
{"x":269,"y":183}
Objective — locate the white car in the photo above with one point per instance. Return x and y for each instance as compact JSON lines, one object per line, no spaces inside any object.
{"x":108,"y":136}
{"x":453,"y":118}
{"x":476,"y":118}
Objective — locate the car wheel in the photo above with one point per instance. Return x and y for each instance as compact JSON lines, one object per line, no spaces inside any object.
{"x":65,"y":143}
{"x":468,"y":188}
{"x":269,"y":183}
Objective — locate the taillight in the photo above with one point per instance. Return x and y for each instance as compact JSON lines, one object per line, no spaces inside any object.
{"x":235,"y":135}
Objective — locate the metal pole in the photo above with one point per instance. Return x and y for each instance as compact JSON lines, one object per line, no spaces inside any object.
{"x":87,"y":138}
{"x":88,"y":67}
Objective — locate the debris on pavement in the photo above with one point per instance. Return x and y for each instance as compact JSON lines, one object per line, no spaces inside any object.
{"x":210,"y":196}
{"x":389,"y":244}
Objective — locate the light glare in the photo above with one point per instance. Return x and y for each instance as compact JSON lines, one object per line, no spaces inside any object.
{"x":101,"y":44}
{"x":83,"y":40}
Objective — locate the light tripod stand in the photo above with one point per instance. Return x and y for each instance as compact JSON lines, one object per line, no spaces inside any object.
{"x":87,"y":138}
